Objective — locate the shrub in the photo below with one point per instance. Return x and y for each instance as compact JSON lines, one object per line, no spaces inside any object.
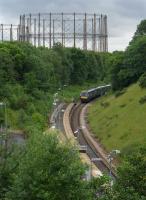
{"x":142,"y":100}
{"x":119,"y":92}
{"x":122,"y":105}
{"x":142,"y":80}
{"x":105,"y":104}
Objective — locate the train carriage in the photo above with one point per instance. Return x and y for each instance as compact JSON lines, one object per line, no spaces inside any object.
{"x":93,"y":93}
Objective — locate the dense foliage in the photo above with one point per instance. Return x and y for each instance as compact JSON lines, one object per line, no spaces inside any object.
{"x":128,"y":66}
{"x":142,"y":80}
{"x":30,"y":75}
{"x":132,"y":174}
{"x":45,"y":168}
{"x":130,"y":183}
{"x":29,"y":78}
{"x":48,"y":170}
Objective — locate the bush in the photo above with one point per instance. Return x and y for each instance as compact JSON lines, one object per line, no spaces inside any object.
{"x":142,"y":100}
{"x":105,"y":104}
{"x":119,"y":92}
{"x":142,"y":81}
{"x":122,"y":105}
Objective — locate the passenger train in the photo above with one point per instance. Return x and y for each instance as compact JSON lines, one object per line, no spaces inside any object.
{"x":93,"y":93}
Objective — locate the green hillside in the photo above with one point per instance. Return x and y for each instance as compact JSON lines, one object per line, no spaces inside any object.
{"x":120,"y":122}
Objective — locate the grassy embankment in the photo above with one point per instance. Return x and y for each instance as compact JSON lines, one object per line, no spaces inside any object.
{"x":120,"y":122}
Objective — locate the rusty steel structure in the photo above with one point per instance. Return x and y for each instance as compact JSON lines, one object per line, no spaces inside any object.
{"x":81,"y":30}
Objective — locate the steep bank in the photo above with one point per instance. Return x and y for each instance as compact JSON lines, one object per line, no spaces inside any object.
{"x":119,"y":122}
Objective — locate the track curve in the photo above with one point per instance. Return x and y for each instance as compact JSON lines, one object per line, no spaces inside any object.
{"x":82,"y":140}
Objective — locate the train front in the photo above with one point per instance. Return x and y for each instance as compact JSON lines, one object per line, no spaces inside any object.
{"x":84,"y":97}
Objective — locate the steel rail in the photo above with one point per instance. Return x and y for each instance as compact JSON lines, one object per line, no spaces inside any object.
{"x":92,"y":151}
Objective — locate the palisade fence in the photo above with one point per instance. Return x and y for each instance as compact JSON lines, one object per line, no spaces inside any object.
{"x":81,"y":30}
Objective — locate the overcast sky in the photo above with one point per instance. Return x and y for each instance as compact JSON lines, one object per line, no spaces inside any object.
{"x":123,"y":15}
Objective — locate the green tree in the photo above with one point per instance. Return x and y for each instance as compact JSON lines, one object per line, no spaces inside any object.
{"x":79,"y":68}
{"x":49,"y":170}
{"x":141,"y":29}
{"x":116,"y":65}
{"x":132,"y":176}
{"x":9,"y":162}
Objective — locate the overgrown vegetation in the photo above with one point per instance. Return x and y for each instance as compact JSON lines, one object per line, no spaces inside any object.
{"x":29,"y":77}
{"x":142,"y":80}
{"x":127,"y":67}
{"x":46,"y":169}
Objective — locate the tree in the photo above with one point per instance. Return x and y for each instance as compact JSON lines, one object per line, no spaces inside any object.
{"x":79,"y":67}
{"x":116,"y":65}
{"x":49,"y":170}
{"x":141,"y":29}
{"x":9,"y":161}
{"x":132,"y":176}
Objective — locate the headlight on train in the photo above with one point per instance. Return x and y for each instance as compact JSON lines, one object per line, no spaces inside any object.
{"x":83,"y":97}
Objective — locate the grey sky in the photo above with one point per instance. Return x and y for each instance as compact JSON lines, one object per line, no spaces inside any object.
{"x":123,"y":15}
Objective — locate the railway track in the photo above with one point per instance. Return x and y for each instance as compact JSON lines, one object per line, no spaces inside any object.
{"x":69,"y":123}
{"x":83,"y":140}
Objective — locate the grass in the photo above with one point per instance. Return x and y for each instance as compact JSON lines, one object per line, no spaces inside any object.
{"x":120,"y":122}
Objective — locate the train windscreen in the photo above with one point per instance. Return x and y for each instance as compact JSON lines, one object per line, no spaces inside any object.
{"x":85,"y":94}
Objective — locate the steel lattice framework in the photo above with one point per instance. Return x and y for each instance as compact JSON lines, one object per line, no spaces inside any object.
{"x":9,"y":32}
{"x":81,"y":30}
